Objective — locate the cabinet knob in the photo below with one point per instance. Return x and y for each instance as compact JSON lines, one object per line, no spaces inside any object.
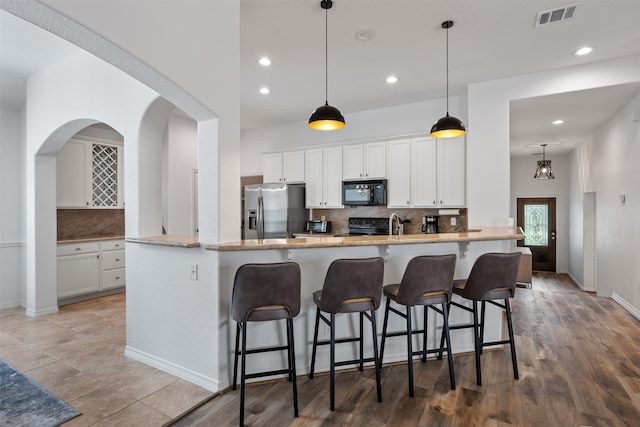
{"x":117,"y":277}
{"x":441,"y":202}
{"x":434,"y":202}
{"x":117,"y":259}
{"x":78,"y":249}
{"x":360,"y":174}
{"x":407,"y":202}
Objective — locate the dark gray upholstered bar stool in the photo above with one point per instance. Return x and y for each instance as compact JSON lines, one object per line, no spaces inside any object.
{"x":493,"y":277}
{"x":427,"y":281}
{"x":263,"y":292}
{"x":350,"y":286}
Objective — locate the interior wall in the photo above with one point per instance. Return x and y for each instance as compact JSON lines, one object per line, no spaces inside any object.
{"x":409,"y":119}
{"x":12,"y":231}
{"x":523,"y":185}
{"x":182,"y":159}
{"x":608,"y":166}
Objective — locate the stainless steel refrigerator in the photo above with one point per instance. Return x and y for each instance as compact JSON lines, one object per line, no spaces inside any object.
{"x":274,"y":211}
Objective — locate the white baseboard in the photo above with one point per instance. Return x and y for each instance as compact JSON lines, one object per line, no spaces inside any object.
{"x":580,"y":285}
{"x":43,"y":312}
{"x":186,"y":374}
{"x":624,"y":304}
{"x":9,"y":304}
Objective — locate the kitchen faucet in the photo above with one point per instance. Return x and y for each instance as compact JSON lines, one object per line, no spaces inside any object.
{"x":399,"y":226}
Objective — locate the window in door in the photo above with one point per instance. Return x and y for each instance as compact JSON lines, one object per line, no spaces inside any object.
{"x":537,"y":217}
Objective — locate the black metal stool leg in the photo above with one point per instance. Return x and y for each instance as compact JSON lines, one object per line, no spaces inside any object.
{"x":315,"y":344}
{"x":235,"y":357}
{"x":243,"y":371}
{"x":384,"y":329}
{"x":445,"y":328}
{"x":424,"y":334}
{"x":476,"y":339}
{"x":409,"y":351}
{"x":376,"y":361}
{"x":289,"y":350}
{"x":332,"y":367}
{"x":482,"y":311}
{"x":292,"y":366}
{"x":511,"y":341}
{"x":361,"y":343}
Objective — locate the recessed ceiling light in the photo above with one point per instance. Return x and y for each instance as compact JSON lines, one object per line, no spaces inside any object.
{"x":392,"y":79}
{"x":583,"y":51}
{"x":557,"y":122}
{"x":264,"y":61}
{"x":264,"y":90}
{"x":364,"y":35}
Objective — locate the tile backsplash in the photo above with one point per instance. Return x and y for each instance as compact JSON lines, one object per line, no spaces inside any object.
{"x":340,"y":217}
{"x":88,"y":223}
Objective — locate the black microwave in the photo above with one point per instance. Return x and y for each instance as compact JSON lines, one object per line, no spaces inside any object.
{"x":367,"y":193}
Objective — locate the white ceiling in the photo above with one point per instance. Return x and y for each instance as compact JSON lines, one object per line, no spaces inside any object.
{"x":489,"y":40}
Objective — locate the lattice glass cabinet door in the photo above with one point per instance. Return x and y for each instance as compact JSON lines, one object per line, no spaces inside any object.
{"x":104,"y":180}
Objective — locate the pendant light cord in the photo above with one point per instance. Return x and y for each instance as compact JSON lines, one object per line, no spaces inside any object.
{"x":326,"y":56}
{"x":448,"y":26}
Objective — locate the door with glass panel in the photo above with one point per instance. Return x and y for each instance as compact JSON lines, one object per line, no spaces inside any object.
{"x":537,"y":217}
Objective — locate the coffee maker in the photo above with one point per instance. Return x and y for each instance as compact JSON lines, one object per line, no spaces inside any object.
{"x":430,"y":224}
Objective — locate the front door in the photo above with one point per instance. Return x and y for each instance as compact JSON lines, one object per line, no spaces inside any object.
{"x":537,"y":217}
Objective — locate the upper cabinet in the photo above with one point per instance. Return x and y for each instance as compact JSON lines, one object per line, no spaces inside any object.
{"x":364,"y":161}
{"x":89,"y":175}
{"x":426,"y":173}
{"x":323,"y":177}
{"x":287,"y":167}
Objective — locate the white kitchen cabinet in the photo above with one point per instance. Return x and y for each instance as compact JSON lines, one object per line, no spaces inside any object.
{"x":364,"y":161}
{"x":88,"y":267}
{"x":323,"y":177}
{"x":426,"y":173}
{"x":78,"y":268}
{"x":113,"y":264}
{"x":89,"y":175}
{"x":399,"y":173}
{"x":424,"y":191}
{"x":71,"y":173}
{"x":287,"y":167}
{"x":451,"y":172}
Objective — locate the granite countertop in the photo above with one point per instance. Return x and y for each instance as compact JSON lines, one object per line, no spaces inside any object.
{"x":486,"y":233}
{"x":90,"y":239}
{"x":167,"y":240}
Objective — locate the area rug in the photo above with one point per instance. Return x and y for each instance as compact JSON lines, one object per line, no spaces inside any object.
{"x":25,"y":403}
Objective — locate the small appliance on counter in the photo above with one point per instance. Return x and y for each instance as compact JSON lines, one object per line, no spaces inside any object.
{"x":315,"y":226}
{"x":430,"y":224}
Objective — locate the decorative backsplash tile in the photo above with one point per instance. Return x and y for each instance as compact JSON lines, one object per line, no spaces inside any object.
{"x":340,"y":218}
{"x":87,"y":223}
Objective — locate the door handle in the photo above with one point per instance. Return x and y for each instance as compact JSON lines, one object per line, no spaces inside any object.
{"x":553,"y":235}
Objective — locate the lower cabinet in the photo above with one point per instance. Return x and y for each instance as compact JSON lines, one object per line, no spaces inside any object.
{"x":88,"y":267}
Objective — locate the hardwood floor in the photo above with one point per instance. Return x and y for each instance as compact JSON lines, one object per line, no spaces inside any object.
{"x":579,"y":361}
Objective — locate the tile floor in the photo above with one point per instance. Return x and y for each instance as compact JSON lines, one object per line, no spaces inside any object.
{"x":77,"y":354}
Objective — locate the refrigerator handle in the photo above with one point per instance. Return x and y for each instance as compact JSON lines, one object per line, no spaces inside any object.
{"x":260,"y":224}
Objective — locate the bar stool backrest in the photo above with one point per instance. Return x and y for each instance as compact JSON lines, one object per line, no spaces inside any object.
{"x":264,"y":287}
{"x":351,"y":284}
{"x":493,"y":276}
{"x":425,"y":275}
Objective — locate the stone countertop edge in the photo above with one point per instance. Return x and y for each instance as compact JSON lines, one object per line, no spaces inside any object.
{"x":90,"y":239}
{"x":481,"y":234}
{"x":167,"y":240}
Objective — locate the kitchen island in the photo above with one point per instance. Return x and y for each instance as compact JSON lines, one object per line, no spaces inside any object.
{"x":314,"y":256}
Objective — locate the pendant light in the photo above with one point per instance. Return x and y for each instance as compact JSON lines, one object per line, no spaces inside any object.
{"x":543,"y":171}
{"x":448,"y":126}
{"x":326,"y":117}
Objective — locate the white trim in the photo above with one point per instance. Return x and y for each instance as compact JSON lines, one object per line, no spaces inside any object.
{"x":10,"y":304}
{"x":93,"y":139}
{"x":580,"y":285}
{"x":12,"y":245}
{"x":624,"y":304}
{"x":186,"y":374}
{"x":43,"y":312}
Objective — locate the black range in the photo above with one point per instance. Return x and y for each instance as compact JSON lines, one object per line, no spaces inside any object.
{"x":359,"y":226}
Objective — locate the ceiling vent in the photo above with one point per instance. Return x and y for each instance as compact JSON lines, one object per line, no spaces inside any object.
{"x":550,"y":16}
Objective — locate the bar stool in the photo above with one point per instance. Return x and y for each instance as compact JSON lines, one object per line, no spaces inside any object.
{"x":264,"y":292}
{"x":427,"y":281}
{"x":492,"y":277}
{"x":350,"y":286}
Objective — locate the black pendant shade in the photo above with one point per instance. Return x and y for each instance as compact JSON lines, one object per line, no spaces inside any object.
{"x":448,"y":126}
{"x":326,"y":117}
